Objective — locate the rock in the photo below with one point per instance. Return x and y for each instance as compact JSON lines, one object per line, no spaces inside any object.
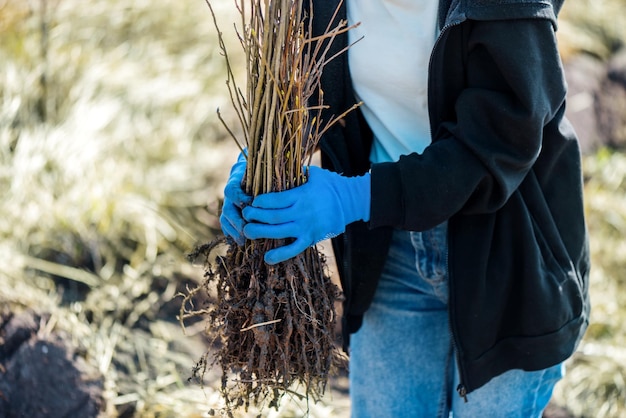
{"x":611,"y":102}
{"x":584,"y":75}
{"x":14,"y":331}
{"x":43,"y":377}
{"x":555,"y":411}
{"x":617,"y":68}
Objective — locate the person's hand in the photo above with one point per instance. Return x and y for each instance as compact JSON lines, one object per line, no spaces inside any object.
{"x":235,"y":199}
{"x":319,"y":209}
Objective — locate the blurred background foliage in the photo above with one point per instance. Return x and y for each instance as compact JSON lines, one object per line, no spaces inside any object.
{"x":595,"y":27}
{"x":112,"y":164}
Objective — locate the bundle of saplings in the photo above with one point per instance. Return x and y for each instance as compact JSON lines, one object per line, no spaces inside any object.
{"x":273,"y":324}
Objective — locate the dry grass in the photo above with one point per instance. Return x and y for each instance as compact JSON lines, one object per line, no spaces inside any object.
{"x":596,"y":27}
{"x":111,"y":167}
{"x":110,"y":154}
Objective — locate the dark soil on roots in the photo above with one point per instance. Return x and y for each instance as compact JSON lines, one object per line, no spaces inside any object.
{"x":274,"y":326}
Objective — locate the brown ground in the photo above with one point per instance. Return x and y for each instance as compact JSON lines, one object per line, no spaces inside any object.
{"x":43,"y":375}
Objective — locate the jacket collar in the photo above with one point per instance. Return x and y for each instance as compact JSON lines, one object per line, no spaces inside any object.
{"x":456,"y":11}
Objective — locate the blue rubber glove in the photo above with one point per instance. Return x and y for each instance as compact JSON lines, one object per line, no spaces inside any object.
{"x":319,"y":209}
{"x":234,"y":200}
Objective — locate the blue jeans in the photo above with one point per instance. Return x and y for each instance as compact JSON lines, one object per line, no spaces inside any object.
{"x":402,"y":362}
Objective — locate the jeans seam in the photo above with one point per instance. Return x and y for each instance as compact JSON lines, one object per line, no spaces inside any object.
{"x":540,"y":384}
{"x":444,"y":403}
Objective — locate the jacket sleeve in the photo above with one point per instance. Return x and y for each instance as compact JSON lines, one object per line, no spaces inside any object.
{"x":513,"y":87}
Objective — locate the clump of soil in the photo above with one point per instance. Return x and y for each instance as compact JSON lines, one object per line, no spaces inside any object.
{"x":273,"y":325}
{"x":43,"y":376}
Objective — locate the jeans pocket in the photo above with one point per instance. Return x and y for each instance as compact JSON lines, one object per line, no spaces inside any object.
{"x":431,"y":256}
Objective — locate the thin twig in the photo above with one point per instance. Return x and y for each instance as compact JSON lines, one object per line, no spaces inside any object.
{"x":260,"y":324}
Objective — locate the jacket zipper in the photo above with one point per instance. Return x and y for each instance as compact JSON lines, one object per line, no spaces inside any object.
{"x":461,"y":388}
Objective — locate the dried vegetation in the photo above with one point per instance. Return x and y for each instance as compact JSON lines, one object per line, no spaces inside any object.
{"x":274,"y":324}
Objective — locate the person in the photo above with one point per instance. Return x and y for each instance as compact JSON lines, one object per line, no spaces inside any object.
{"x":454,"y":199}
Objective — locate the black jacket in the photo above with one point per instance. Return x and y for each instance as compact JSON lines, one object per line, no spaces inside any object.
{"x":503,"y":169}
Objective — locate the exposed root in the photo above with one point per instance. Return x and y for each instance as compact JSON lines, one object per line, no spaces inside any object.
{"x":274,"y":324}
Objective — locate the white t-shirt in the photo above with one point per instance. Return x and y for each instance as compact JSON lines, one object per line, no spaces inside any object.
{"x":389,"y":70}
